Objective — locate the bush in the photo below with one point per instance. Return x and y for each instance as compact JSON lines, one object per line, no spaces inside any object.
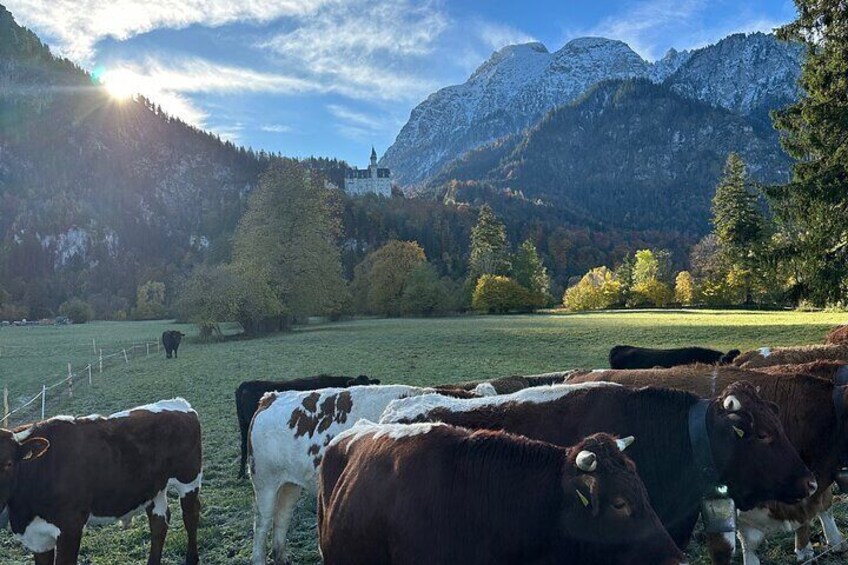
{"x":380,"y":279}
{"x":150,"y":301}
{"x":424,"y":294}
{"x":598,"y":289}
{"x":650,"y":293}
{"x":77,"y":310}
{"x":497,"y":294}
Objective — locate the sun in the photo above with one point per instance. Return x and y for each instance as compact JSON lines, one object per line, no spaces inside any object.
{"x":122,"y":84}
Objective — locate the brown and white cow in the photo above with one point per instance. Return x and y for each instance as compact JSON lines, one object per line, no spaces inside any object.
{"x":288,"y":436}
{"x":835,"y":371}
{"x":58,"y":475}
{"x":669,"y":463}
{"x":507,"y":385}
{"x":432,"y":493}
{"x":767,"y":356}
{"x":811,"y":411}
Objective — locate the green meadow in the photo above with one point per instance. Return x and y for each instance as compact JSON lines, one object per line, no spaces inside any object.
{"x":411,"y":351}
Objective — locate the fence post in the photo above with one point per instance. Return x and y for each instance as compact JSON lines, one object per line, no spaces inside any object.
{"x":70,"y":381}
{"x":5,"y":406}
{"x":148,"y":349}
{"x":94,"y":345}
{"x":43,"y":400}
{"x":89,"y":374}
{"x":125,"y":356}
{"x":101,"y":360}
{"x":157,"y":346}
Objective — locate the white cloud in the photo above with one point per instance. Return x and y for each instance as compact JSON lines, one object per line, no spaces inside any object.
{"x":170,"y":85}
{"x":367,"y":49}
{"x":78,"y":25}
{"x":651,"y":26}
{"x":276,"y":128}
{"x":496,"y":35}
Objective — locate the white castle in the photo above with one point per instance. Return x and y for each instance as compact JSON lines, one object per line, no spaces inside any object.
{"x":373,"y":180}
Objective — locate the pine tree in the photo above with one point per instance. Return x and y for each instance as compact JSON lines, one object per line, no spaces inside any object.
{"x":739,"y":226}
{"x":489,"y":247}
{"x":813,"y":207}
{"x":737,"y":220}
{"x":529,"y":271}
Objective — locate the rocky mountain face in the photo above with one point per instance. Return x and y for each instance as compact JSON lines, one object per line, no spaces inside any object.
{"x":630,"y":154}
{"x":519,"y":84}
{"x":99,"y":195}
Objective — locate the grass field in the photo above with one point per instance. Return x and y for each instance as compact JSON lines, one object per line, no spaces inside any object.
{"x":396,"y":351}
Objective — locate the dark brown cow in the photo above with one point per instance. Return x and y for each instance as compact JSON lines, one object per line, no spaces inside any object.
{"x":811,"y":410}
{"x":753,"y":471}
{"x":249,"y":393}
{"x":432,"y":493}
{"x":60,"y":474}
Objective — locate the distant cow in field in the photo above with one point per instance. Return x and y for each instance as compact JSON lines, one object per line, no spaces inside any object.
{"x":171,"y":342}
{"x":249,"y":393}
{"x":631,"y":357}
{"x":767,"y":356}
{"x":58,"y":475}
{"x":812,"y":411}
{"x":433,"y":493}
{"x":670,"y":461}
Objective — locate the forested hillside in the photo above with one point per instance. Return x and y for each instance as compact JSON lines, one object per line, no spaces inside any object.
{"x":99,"y":195}
{"x":628,"y":153}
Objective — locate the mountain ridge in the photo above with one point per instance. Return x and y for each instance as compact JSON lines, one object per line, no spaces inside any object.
{"x":519,"y":84}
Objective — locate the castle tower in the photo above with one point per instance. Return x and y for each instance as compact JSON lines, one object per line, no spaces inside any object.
{"x":373,"y":166}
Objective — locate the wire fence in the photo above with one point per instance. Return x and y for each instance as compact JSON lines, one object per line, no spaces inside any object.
{"x":72,"y":378}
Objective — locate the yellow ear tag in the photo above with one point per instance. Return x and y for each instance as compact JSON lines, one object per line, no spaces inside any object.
{"x":582,"y":498}
{"x":739,"y":432}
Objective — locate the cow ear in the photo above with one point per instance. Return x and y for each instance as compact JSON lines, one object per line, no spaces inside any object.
{"x":584,"y":489}
{"x":32,"y":448}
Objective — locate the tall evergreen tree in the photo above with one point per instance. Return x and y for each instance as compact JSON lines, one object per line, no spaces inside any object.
{"x":489,"y":246}
{"x":287,"y":238}
{"x":736,"y":219}
{"x":738,"y":223}
{"x":529,"y":271}
{"x":813,"y":207}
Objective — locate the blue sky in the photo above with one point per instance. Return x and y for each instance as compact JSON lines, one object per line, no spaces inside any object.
{"x":333,"y":77}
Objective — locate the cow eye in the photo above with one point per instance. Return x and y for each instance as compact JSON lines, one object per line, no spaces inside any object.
{"x":764,"y":436}
{"x":8,"y":465}
{"x":620,"y":505}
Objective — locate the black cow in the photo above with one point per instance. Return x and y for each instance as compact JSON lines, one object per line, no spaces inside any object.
{"x":171,"y":341}
{"x":631,"y":357}
{"x":249,"y":393}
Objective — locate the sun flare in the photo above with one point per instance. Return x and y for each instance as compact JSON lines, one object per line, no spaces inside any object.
{"x":122,"y":84}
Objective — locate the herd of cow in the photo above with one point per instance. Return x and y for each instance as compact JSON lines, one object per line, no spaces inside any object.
{"x":580,"y":467}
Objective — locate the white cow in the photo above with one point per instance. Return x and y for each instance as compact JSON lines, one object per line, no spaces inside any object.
{"x":288,"y":436}
{"x":408,"y":409}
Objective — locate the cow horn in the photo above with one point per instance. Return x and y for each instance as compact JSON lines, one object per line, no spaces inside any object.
{"x":625,"y":442}
{"x":732,"y":404}
{"x":587,"y":461}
